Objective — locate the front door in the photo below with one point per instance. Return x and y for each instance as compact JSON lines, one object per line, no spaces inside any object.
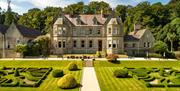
{"x":99,"y":45}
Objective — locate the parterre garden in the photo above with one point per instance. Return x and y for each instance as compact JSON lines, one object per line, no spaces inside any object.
{"x":37,"y":75}
{"x":22,"y":77}
{"x":142,"y":75}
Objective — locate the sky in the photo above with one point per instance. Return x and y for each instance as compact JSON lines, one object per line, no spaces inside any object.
{"x":22,"y":6}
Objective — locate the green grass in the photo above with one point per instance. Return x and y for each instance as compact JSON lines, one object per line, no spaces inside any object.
{"x":50,"y":83}
{"x":107,"y":82}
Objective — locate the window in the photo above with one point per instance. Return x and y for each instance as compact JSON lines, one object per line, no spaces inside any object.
{"x":74,"y":43}
{"x":17,"y":41}
{"x":134,"y":45}
{"x":109,"y":30}
{"x":90,"y":31}
{"x":148,"y":45}
{"x":59,"y":44}
{"x":114,"y":43}
{"x":95,"y":21}
{"x":144,"y":44}
{"x":82,"y":43}
{"x":90,"y":43}
{"x":115,"y":30}
{"x":78,"y":21}
{"x":99,"y":31}
{"x":60,"y":30}
{"x":125,"y":45}
{"x":64,"y":44}
{"x":109,"y":44}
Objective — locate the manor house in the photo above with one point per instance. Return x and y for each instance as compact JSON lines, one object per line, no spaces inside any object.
{"x":79,"y":34}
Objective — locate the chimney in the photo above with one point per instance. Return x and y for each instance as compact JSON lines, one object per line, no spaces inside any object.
{"x":101,"y":13}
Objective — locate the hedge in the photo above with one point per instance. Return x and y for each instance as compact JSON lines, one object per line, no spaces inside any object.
{"x":121,"y":73}
{"x":10,"y":83}
{"x":57,"y":73}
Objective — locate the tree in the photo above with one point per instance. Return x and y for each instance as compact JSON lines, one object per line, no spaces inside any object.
{"x":160,"y":47}
{"x":44,"y":44}
{"x":33,"y":19}
{"x":171,"y":38}
{"x":74,"y":8}
{"x":121,"y":11}
{"x":21,"y":48}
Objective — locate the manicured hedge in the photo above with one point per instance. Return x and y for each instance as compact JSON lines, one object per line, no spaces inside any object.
{"x":10,"y":83}
{"x":140,"y":72}
{"x":57,"y":73}
{"x":121,"y":73}
{"x":67,"y":82}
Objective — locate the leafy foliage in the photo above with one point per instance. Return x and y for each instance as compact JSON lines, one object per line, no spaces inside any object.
{"x":43,"y":43}
{"x":160,"y":47}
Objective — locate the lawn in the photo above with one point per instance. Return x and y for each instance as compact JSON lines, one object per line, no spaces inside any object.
{"x":49,"y":84}
{"x":104,"y":72}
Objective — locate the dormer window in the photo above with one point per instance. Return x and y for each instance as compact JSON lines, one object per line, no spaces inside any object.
{"x":95,"y":22}
{"x":78,"y":20}
{"x":61,"y":30}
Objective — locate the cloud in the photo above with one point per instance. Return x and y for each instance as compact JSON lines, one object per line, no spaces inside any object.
{"x":22,"y":6}
{"x":45,"y":3}
{"x":3,"y":5}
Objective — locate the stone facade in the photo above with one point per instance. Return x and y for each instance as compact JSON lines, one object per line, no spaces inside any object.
{"x":16,"y":34}
{"x":91,"y":33}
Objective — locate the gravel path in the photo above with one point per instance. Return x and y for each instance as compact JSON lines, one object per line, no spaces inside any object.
{"x":89,"y":80}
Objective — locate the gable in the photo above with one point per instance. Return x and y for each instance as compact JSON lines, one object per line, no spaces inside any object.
{"x":13,"y":32}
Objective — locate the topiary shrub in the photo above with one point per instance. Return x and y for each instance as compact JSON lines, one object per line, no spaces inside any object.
{"x":122,"y":73}
{"x":16,"y":73}
{"x":112,"y":58}
{"x":67,"y":82}
{"x":57,"y":73}
{"x":72,"y":66}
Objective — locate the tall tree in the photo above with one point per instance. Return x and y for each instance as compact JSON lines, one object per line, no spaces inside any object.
{"x":9,"y":18}
{"x":121,"y":10}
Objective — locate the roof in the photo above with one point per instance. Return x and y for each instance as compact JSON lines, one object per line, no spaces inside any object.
{"x":28,"y":32}
{"x":135,"y":35}
{"x":87,"y":19}
{"x":138,"y":33}
{"x":130,"y":38}
{"x":3,"y":29}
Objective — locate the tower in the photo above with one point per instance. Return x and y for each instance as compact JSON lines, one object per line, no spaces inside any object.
{"x":9,"y":7}
{"x":115,"y":36}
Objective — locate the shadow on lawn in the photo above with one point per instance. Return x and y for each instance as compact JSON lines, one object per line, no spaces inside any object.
{"x":116,"y":62}
{"x":78,"y":86}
